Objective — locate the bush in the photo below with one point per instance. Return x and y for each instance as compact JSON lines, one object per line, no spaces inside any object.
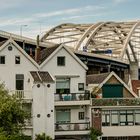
{"x":42,"y":137}
{"x":12,"y":116}
{"x":94,"y":133}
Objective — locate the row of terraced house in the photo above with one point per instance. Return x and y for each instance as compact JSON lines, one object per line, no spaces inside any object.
{"x":63,"y":100}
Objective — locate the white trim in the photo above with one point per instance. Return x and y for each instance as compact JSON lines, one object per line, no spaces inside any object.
{"x":119,"y":79}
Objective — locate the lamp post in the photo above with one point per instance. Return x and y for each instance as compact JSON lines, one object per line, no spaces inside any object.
{"x":21,"y":27}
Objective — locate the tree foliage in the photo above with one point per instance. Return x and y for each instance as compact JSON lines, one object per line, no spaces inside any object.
{"x":42,"y":137}
{"x":12,"y":116}
{"x":94,"y":133}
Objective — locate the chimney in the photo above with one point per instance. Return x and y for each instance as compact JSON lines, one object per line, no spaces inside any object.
{"x":37,"y":50}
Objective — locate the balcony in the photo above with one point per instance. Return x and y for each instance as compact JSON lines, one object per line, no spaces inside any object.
{"x":72,"y":99}
{"x":22,"y":94}
{"x":72,"y":128}
{"x":29,"y":122}
{"x":116,"y":102}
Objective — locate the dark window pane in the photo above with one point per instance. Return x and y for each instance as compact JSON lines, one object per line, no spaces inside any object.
{"x":81,"y":86}
{"x":81,"y":115}
{"x":61,"y":61}
{"x":17,"y":59}
{"x":19,"y":82}
{"x":19,"y":85}
{"x":2,"y":59}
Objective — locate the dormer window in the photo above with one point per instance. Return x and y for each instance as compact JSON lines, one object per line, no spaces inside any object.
{"x":61,"y":61}
{"x":2,"y":59}
{"x":17,"y":59}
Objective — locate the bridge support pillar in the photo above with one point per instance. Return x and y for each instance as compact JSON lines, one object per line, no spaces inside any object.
{"x":134,"y":70}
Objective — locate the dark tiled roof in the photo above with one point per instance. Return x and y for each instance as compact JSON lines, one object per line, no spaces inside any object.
{"x":45,"y":76}
{"x":96,"y":78}
{"x":41,"y":76}
{"x":35,"y":76}
{"x":135,"y":86}
{"x":45,"y":53}
{"x":2,"y":42}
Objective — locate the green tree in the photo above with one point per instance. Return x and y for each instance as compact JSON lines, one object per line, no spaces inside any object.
{"x":42,"y":137}
{"x":94,"y":133}
{"x":12,"y":116}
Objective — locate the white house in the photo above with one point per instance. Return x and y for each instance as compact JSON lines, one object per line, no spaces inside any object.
{"x":53,"y":85}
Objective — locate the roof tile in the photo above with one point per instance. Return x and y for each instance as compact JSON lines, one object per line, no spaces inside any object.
{"x":96,"y":78}
{"x":45,"y":53}
{"x":41,"y":76}
{"x":35,"y":76}
{"x":45,"y":76}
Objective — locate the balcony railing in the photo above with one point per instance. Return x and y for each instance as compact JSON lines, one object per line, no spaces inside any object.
{"x":116,"y":102}
{"x":72,"y":126}
{"x":72,"y":97}
{"x":29,"y":122}
{"x":21,"y":94}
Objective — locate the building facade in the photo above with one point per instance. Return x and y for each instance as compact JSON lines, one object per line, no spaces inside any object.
{"x":115,"y":109}
{"x":52,"y":86}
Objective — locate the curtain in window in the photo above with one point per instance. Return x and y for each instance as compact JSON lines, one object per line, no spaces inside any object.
{"x":63,"y":116}
{"x":62,"y":83}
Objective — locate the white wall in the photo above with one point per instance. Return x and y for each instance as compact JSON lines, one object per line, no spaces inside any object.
{"x":72,"y":67}
{"x":43,"y":104}
{"x":49,"y":109}
{"x":75,"y":115}
{"x":121,"y":131}
{"x":38,"y":109}
{"x":10,"y":69}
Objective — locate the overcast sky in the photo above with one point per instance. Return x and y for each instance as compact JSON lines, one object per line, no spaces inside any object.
{"x":41,"y":15}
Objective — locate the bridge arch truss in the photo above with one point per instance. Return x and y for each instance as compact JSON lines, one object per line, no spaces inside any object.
{"x":119,"y":40}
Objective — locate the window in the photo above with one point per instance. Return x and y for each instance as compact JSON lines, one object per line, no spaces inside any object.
{"x":17,"y":59}
{"x":63,"y":85}
{"x":61,"y":61}
{"x":126,"y":117}
{"x":2,"y":59}
{"x":10,"y":48}
{"x":121,"y":117}
{"x":137,"y":117}
{"x":112,"y":91}
{"x":19,"y":82}
{"x":105,"y":118}
{"x":114,"y":118}
{"x":81,"y":115}
{"x":80,"y":86}
{"x":62,"y":115}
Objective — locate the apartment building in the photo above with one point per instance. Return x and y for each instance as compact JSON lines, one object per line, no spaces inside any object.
{"x":53,"y":87}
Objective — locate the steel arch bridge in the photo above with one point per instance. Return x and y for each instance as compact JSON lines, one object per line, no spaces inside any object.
{"x":119,"y":40}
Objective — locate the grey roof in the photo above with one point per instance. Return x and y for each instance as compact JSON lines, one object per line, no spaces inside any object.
{"x":41,"y":76}
{"x":45,"y":53}
{"x":35,"y":76}
{"x":45,"y":76}
{"x":96,"y":78}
